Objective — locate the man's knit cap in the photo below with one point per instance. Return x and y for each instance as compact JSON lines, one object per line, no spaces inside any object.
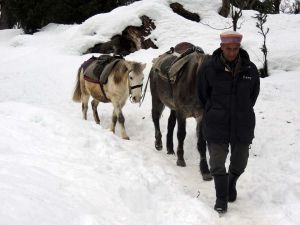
{"x":231,"y":37}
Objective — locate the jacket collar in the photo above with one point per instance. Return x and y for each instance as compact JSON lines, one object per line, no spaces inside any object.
{"x":243,"y":56}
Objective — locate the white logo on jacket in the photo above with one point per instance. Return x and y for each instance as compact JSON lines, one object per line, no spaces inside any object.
{"x":245,"y":77}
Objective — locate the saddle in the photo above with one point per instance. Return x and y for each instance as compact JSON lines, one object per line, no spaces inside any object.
{"x":97,"y":69}
{"x":169,"y":64}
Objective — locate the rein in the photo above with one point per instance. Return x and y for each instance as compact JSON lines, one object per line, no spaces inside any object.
{"x":144,"y":93}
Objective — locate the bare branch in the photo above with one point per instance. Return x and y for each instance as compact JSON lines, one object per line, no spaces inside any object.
{"x":226,"y":28}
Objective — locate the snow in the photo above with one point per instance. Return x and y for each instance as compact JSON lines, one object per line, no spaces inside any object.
{"x":56,"y":168}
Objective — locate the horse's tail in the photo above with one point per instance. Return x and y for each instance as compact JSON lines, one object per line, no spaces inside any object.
{"x":77,"y":90}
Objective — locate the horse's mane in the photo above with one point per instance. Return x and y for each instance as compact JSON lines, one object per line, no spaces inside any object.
{"x":195,"y":67}
{"x":119,"y":70}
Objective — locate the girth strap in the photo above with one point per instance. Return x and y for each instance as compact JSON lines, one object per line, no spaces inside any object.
{"x":102,"y":89}
{"x":96,"y":82}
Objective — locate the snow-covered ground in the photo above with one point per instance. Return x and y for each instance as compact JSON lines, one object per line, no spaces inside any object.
{"x":57,"y":169}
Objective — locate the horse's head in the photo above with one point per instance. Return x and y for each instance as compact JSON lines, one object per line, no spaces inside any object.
{"x":135,"y":80}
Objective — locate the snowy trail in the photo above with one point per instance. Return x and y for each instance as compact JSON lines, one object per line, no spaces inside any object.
{"x":56,"y":168}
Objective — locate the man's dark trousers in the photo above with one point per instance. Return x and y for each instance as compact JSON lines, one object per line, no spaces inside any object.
{"x":238,"y":159}
{"x":224,"y":184}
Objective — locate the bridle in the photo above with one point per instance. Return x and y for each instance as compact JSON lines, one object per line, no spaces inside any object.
{"x":130,"y":88}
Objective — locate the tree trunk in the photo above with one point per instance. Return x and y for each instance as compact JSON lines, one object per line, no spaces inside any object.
{"x":251,"y":4}
{"x":247,"y":4}
{"x":3,"y":17}
{"x":224,"y":11}
{"x":297,"y":7}
{"x":277,"y":5}
{"x":7,"y":20}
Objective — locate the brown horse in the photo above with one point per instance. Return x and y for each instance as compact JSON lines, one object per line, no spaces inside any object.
{"x":124,"y":80}
{"x":177,"y":89}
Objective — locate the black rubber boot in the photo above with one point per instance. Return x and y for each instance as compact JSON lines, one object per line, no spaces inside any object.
{"x":221,"y":186}
{"x":232,"y":193}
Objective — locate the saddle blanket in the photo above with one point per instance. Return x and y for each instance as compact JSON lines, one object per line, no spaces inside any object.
{"x":97,"y":69}
{"x":169,"y":64}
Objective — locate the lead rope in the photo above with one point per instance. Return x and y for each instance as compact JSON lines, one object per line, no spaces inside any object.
{"x":144,"y":93}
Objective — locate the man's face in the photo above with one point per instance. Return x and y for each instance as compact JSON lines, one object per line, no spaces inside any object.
{"x":230,"y":51}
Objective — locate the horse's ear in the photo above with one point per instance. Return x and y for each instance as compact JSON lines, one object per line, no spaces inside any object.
{"x":128,"y":65}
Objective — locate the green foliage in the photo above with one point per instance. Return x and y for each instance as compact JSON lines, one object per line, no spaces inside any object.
{"x":267,"y":7}
{"x":261,"y":20}
{"x":7,"y":19}
{"x":32,"y":15}
{"x":26,"y":12}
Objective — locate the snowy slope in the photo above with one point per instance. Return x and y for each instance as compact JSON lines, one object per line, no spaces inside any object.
{"x":59,"y":169}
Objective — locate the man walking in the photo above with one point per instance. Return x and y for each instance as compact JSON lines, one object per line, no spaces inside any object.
{"x":228,"y":87}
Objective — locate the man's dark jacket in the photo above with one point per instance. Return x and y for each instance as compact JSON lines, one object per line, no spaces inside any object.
{"x":228,"y":99}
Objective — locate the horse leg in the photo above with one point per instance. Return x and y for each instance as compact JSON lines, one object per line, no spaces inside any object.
{"x":95,"y":104}
{"x":157,"y":108}
{"x":121,"y":120}
{"x":181,"y":133}
{"x":85,"y":100}
{"x":201,"y":146}
{"x":171,"y":125}
{"x":114,"y":120}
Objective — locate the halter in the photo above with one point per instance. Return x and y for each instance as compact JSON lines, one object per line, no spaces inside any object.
{"x":130,"y":88}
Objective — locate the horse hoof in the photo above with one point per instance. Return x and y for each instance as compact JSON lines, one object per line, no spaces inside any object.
{"x":181,"y":163}
{"x":207,"y":176}
{"x":126,"y":138}
{"x":170,"y":152}
{"x":158,"y":145}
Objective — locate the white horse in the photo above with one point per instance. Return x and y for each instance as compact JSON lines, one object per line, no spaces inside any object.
{"x":124,"y":80}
